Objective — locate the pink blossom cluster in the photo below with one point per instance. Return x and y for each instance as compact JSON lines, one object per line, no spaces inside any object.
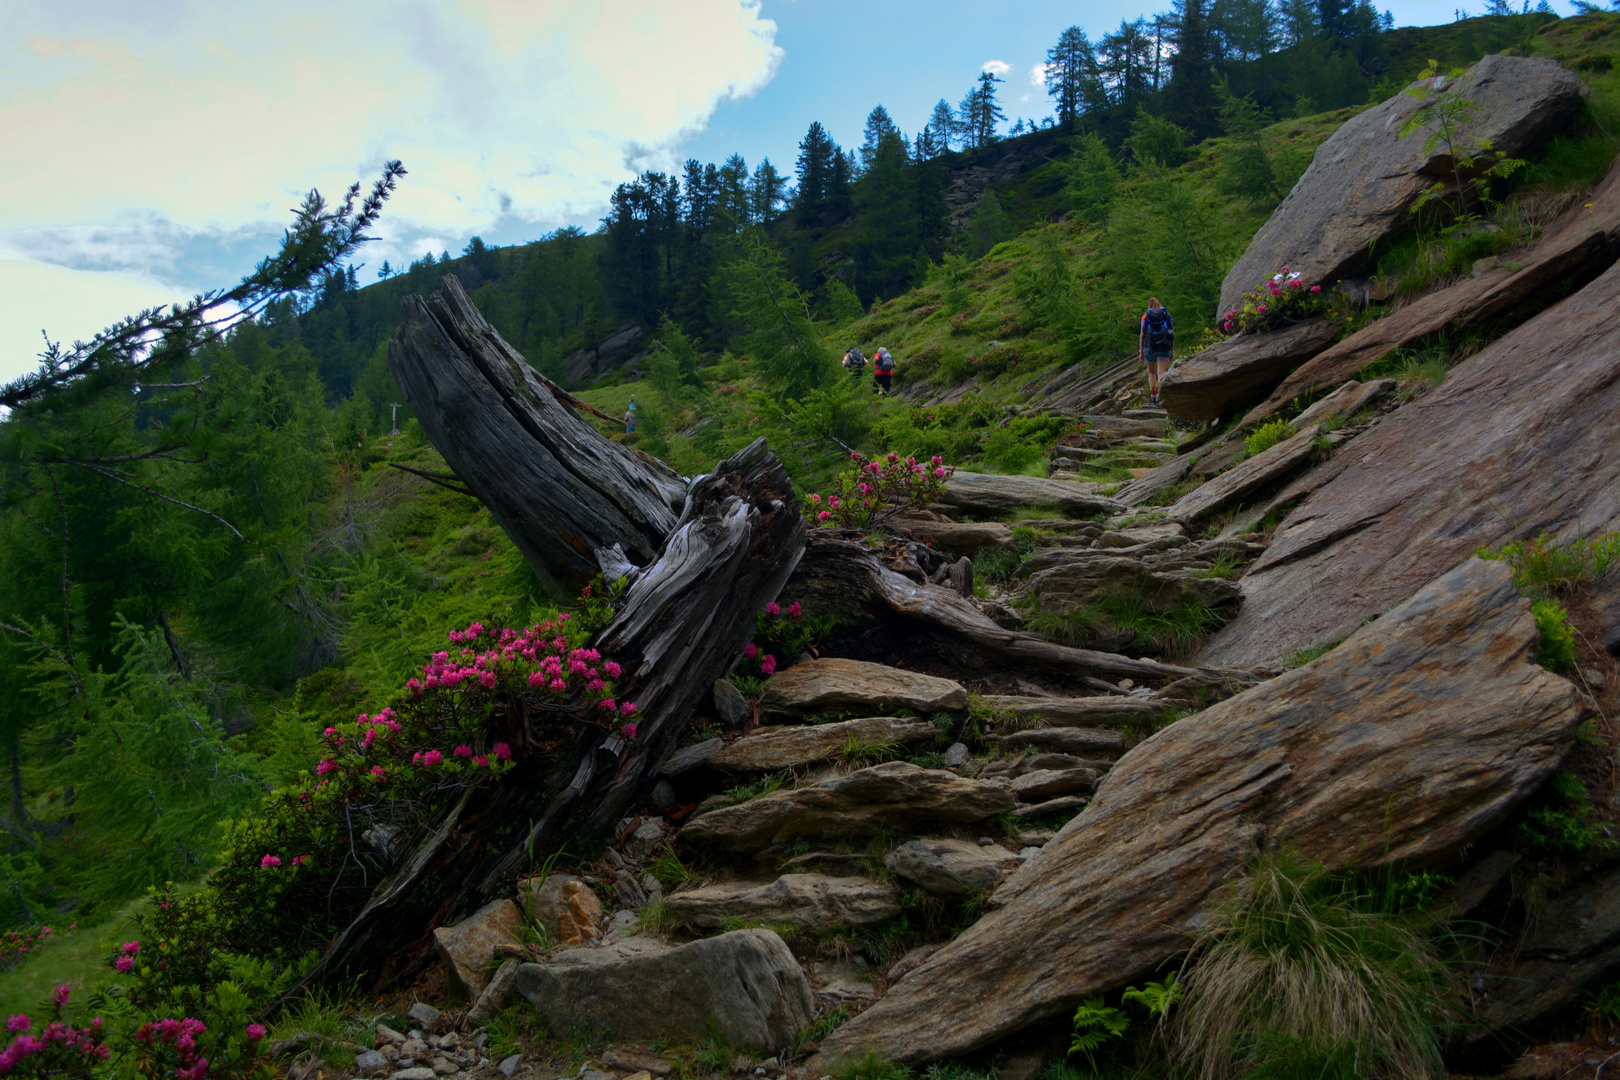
{"x":53,"y":1049}
{"x":181,"y":1037}
{"x":871,"y":488}
{"x":1281,"y":288}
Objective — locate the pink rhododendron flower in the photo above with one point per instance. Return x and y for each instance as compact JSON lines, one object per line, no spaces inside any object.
{"x":1262,"y":309}
{"x":1316,"y":288}
{"x":482,"y":761}
{"x":773,"y":609}
{"x":124,"y":963}
{"x":378,"y":771}
{"x":327,"y":765}
{"x":628,"y":708}
{"x":269,"y":862}
{"x":794,"y":610}
{"x":463,"y":751}
{"x":59,"y":996}
{"x":299,"y":859}
{"x":628,"y":731}
{"x":750,"y":650}
{"x":767,"y":665}
{"x":823,"y":516}
{"x":18,"y":1023}
{"x":613,"y":669}
{"x":431,"y":758}
{"x":503,"y":752}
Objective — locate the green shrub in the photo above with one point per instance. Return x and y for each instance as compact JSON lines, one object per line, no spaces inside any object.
{"x":1268,"y":435}
{"x":1289,"y":970}
{"x":869,"y":1066}
{"x":1541,"y":569}
{"x":1557,"y":652}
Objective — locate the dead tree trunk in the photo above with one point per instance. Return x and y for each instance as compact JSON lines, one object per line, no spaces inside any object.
{"x":683,"y":621}
{"x":559,"y":488}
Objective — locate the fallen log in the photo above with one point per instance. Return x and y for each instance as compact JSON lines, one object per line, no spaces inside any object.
{"x":559,"y":488}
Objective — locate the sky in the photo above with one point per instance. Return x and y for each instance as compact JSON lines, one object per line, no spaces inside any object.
{"x":154,"y":148}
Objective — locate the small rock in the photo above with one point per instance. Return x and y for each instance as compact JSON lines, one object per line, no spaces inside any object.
{"x":565,"y":906}
{"x":614,"y":859}
{"x":389,"y":1035}
{"x":424,"y":1014}
{"x":586,"y":1073}
{"x":954,"y":756}
{"x":414,"y":1048}
{"x":443,"y":1066}
{"x":508,"y":1066}
{"x":1028,"y":852}
{"x":987,"y":841}
{"x":1033,"y":837}
{"x":371,"y":1062}
{"x":652,"y":887}
{"x":642,"y":1075}
{"x":621,"y":922}
{"x":663,"y":795}
{"x":645,"y":840}
{"x":622,"y":1060}
{"x":417,"y":1072}
{"x":630,"y":894}
{"x":497,"y":995}
{"x":734,"y":709}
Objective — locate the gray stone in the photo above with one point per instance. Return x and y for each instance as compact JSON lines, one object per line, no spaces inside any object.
{"x":467,"y":947}
{"x":947,"y":867}
{"x":1067,"y":581}
{"x":953,"y":537}
{"x":991,"y":496}
{"x":663,"y":795}
{"x":371,"y":1063}
{"x":745,"y":985}
{"x":1519,"y":440}
{"x":1358,"y":192}
{"x":787,"y":746}
{"x":425,"y":1014}
{"x":1238,"y":371}
{"x":955,"y":755}
{"x":1081,"y":712}
{"x":1410,"y":740}
{"x":386,"y":1034}
{"x":498,"y":994}
{"x":688,"y":758}
{"x":1059,"y":805}
{"x":1346,"y":401}
{"x":909,"y":962}
{"x":734,"y":709}
{"x":1474,"y":884}
{"x":1044,"y":784}
{"x":509,"y":1065}
{"x":896,"y":794}
{"x":443,"y":1066}
{"x":1071,"y":740}
{"x":416,"y":1072}
{"x":648,"y":838}
{"x":833,"y":685}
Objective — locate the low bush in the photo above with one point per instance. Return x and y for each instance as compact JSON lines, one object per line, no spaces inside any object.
{"x":1557,"y":650}
{"x":870,"y":491}
{"x":1267,"y":435}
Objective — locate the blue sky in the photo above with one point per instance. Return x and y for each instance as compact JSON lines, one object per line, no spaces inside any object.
{"x":155,"y":147}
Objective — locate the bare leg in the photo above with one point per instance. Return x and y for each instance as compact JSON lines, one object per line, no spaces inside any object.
{"x":1163,"y":367}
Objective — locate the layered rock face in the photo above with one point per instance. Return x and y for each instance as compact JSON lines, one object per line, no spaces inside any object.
{"x":1405,"y":743}
{"x":1363,"y":181}
{"x":1518,"y":441}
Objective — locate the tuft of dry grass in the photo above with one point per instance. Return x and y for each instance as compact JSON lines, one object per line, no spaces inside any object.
{"x":1293,"y":964}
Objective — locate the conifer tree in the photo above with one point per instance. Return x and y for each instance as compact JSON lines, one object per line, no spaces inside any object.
{"x":941,"y":129}
{"x":766,"y":192}
{"x":1191,"y":93}
{"x":817,"y":168}
{"x":1072,"y":76}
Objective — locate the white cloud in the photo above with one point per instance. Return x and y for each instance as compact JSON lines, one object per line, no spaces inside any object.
{"x":996,"y":67}
{"x":1037,"y":75}
{"x":136,"y":133}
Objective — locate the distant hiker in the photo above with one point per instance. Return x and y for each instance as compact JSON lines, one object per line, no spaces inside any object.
{"x":854,"y":361}
{"x":630,"y":418}
{"x":883,"y":369}
{"x":1157,"y":342}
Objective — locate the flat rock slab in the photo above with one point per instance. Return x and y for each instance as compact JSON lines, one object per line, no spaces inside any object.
{"x":1044,"y":784}
{"x":955,"y":537}
{"x":1519,"y":440}
{"x":948,"y":867}
{"x":833,"y":686}
{"x":1346,"y":401}
{"x":745,"y":985}
{"x":791,"y":745}
{"x":1070,"y":740}
{"x":1102,"y":710}
{"x":1146,"y":490}
{"x":688,"y":758}
{"x":467,"y":947}
{"x":895,"y":794}
{"x":1247,"y":476}
{"x":1126,"y":427}
{"x":813,"y":901}
{"x":1361,"y":185}
{"x":1408,"y":741}
{"x":1071,"y":585}
{"x":1580,"y":245}
{"x":984,"y":495}
{"x":1240,"y":370}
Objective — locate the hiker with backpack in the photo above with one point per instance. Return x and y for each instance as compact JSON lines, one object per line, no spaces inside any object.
{"x":855,"y":361}
{"x":1157,"y":344}
{"x":883,"y":369}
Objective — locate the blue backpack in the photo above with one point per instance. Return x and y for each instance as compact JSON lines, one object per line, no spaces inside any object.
{"x":1159,"y":327}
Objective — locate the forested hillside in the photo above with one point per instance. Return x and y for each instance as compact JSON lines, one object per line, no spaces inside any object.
{"x":208,"y":562}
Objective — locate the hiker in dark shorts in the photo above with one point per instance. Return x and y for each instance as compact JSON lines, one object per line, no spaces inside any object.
{"x":1157,"y":343}
{"x":854,"y":361}
{"x":883,"y":369}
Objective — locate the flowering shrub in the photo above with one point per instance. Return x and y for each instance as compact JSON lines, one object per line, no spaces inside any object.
{"x":18,"y":945}
{"x":312,"y":858}
{"x":780,"y":635}
{"x":1281,"y":300}
{"x":58,"y":1049}
{"x":870,"y":491}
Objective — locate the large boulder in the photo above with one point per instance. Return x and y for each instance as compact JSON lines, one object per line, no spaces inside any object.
{"x":832,"y":685}
{"x":467,"y":947}
{"x":1519,"y":440}
{"x":985,"y":495}
{"x":1578,"y":247}
{"x":895,"y":794}
{"x":812,"y":901}
{"x":1239,"y":370}
{"x":791,"y":745}
{"x":1399,"y":747}
{"x":744,"y":985}
{"x":1361,"y":186}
